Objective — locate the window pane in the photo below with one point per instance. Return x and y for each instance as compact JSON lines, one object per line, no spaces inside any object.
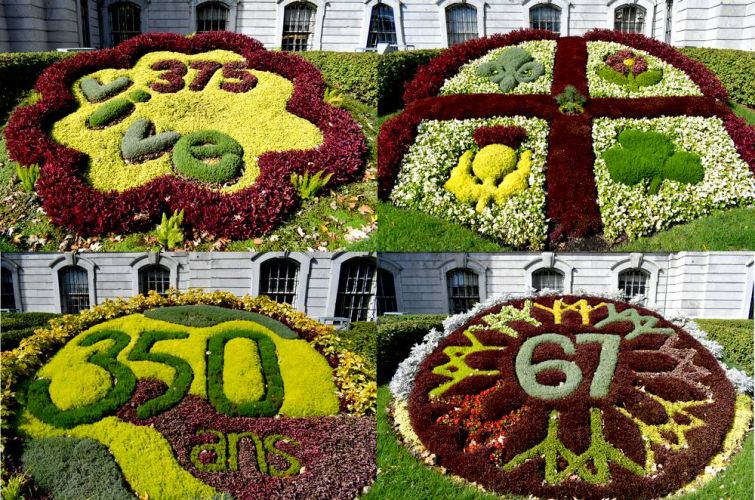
{"x":461,"y":23}
{"x":633,"y":282}
{"x":74,"y":289}
{"x":545,"y":17}
{"x":278,"y":279}
{"x":212,"y":17}
{"x":7,"y":298}
{"x":630,"y":19}
{"x":298,"y":27}
{"x":551,"y":279}
{"x":463,"y":290}
{"x":154,"y":277}
{"x":125,"y":21}
{"x":382,"y":26}
{"x":355,"y":289}
{"x":386,"y":293}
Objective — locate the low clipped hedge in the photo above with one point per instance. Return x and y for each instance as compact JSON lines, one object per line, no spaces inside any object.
{"x":16,"y":326}
{"x":733,"y":67}
{"x":395,"y":337}
{"x":395,"y":69}
{"x":736,"y":337}
{"x":18,"y":72}
{"x":361,"y":338}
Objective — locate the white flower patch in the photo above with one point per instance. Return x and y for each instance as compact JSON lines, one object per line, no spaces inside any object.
{"x":519,"y":222}
{"x":467,"y":81}
{"x":631,"y":211}
{"x":674,"y":83}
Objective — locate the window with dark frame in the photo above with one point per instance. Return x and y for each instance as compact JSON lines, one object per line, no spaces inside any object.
{"x":74,"y":289}
{"x":463,"y":290}
{"x":386,"y":292}
{"x":7,"y":295}
{"x":355,"y":288}
{"x":633,"y":282}
{"x":125,"y":21}
{"x":278,"y":279}
{"x":549,"y":278}
{"x":630,"y":19}
{"x":461,"y":23}
{"x":212,"y":16}
{"x":382,"y":26}
{"x":154,"y":277}
{"x":545,"y":17}
{"x":298,"y":26}
{"x":86,"y":38}
{"x":669,"y":15}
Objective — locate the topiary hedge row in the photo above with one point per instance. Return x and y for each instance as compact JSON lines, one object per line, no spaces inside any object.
{"x":395,"y":337}
{"x":733,"y":67}
{"x":18,"y":326}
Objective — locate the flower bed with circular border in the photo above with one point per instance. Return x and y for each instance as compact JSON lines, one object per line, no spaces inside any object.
{"x":253,"y":208}
{"x":624,"y":77}
{"x":258,"y":401}
{"x":569,"y":396}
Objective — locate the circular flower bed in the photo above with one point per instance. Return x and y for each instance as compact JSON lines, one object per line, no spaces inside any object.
{"x":212,"y":124}
{"x":624,"y":91}
{"x":568,"y":396}
{"x":195,"y":395}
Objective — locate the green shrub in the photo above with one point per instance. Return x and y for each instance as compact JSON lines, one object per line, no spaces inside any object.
{"x":736,"y":337}
{"x":139,"y":140}
{"x":396,"y":338}
{"x":94,"y":91}
{"x":570,"y":101}
{"x":15,"y":327}
{"x":733,"y":67}
{"x":11,"y":489}
{"x":403,"y":318}
{"x":169,"y":233}
{"x":209,"y":156}
{"x":19,"y":72}
{"x":28,"y":176}
{"x":352,"y":72}
{"x":70,"y":468}
{"x":307,"y":185}
{"x":362,"y":338}
{"x":395,"y":69}
{"x":110,"y":112}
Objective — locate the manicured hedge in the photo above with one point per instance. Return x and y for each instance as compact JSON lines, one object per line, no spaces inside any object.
{"x":18,"y":72}
{"x":395,"y":338}
{"x":733,"y":67}
{"x":18,"y":326}
{"x":736,"y":337}
{"x":395,"y":69}
{"x":352,"y":72}
{"x":362,"y":339}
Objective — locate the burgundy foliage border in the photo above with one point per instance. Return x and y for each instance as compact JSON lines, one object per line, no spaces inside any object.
{"x":71,"y":202}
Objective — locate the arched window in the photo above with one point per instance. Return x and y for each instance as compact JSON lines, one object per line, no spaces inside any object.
{"x":8,"y":295}
{"x":125,"y":21}
{"x":154,"y":277}
{"x":545,"y":17}
{"x":548,"y":278}
{"x":212,"y":16}
{"x":463,"y":290}
{"x":386,"y":292}
{"x":461,"y":23}
{"x":355,"y":288}
{"x":630,"y":19}
{"x":633,"y":282}
{"x":278,"y":279}
{"x":298,"y":26}
{"x":382,"y":26}
{"x":74,"y":289}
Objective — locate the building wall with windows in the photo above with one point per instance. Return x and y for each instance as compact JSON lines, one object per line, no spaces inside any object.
{"x":697,"y":284}
{"x":349,"y":25}
{"x":324,"y":285}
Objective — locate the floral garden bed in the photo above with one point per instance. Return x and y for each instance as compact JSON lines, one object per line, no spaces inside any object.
{"x":652,"y":146}
{"x":211,"y":124}
{"x":194,"y":395}
{"x":571,"y":396}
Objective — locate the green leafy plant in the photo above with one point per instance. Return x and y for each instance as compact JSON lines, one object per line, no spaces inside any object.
{"x":10,"y":489}
{"x":334,"y":97}
{"x":308,"y":185}
{"x":169,"y":233}
{"x":570,"y":101}
{"x":28,"y":176}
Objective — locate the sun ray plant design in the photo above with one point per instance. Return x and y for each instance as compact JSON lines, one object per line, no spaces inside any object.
{"x":627,"y":137}
{"x":567,"y":396}
{"x":201,"y":394}
{"x":212,"y":124}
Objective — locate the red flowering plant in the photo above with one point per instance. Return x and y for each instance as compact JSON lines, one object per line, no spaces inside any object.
{"x":65,"y":186}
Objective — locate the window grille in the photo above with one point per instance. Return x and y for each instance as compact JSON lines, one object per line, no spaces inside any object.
{"x":545,"y":17}
{"x":550,"y":278}
{"x":630,"y":19}
{"x":278,"y":279}
{"x":355,"y":289}
{"x":125,"y":21}
{"x":298,"y":26}
{"x":386,"y":292}
{"x":669,"y":15}
{"x":74,"y":289}
{"x":8,"y":296}
{"x":212,"y":16}
{"x":633,"y":282}
{"x":382,"y":26}
{"x":463,"y":290}
{"x":154,"y":277}
{"x":461,"y":23}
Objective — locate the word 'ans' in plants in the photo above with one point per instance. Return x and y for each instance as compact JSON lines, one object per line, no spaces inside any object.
{"x":28,"y":176}
{"x":169,"y":233}
{"x":512,"y":67}
{"x":307,"y":185}
{"x":570,"y":101}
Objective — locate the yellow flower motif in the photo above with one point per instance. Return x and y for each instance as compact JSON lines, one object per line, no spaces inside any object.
{"x":629,"y":62}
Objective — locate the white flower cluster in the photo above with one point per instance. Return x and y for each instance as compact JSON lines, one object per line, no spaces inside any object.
{"x":467,"y":81}
{"x":519,"y":222}
{"x":631,"y":211}
{"x":674,"y":83}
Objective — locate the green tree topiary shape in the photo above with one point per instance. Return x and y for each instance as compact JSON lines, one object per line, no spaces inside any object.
{"x":512,"y":67}
{"x":649,"y":156}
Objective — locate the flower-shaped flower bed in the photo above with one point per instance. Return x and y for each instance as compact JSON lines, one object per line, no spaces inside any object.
{"x":211,"y":124}
{"x":630,"y":83}
{"x":251,"y":399}
{"x":568,"y":396}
